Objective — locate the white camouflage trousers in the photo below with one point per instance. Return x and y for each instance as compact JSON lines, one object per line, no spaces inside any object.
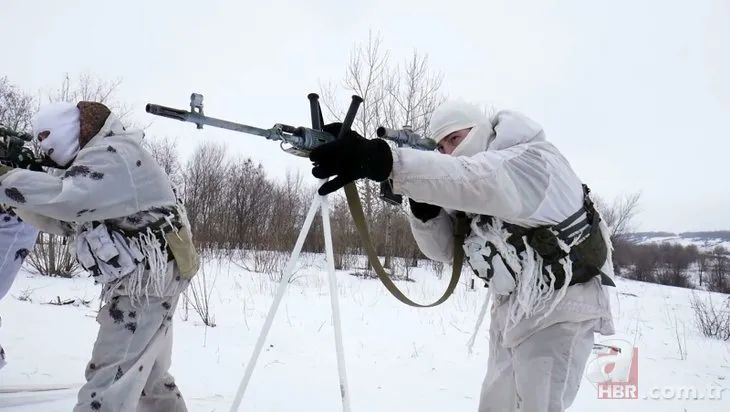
{"x":17,"y":239}
{"x":540,"y":374}
{"x":128,"y":370}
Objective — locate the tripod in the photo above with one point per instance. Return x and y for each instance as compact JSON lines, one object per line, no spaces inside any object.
{"x":317,"y":203}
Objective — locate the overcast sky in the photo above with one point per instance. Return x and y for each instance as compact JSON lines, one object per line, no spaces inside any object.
{"x":636,"y":93}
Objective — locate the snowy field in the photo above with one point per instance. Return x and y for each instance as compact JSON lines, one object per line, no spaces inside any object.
{"x":398,"y":358}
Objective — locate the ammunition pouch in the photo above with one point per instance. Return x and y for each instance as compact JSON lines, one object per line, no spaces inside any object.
{"x":587,"y":256}
{"x":180,"y":244}
{"x":177,"y":240}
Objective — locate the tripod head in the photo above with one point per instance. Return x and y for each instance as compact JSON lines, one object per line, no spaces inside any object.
{"x":301,"y":140}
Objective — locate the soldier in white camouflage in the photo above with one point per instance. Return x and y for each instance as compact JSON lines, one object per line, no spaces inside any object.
{"x":131,"y":234}
{"x":534,"y":238}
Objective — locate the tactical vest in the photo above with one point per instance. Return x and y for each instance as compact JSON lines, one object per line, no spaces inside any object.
{"x":587,"y":257}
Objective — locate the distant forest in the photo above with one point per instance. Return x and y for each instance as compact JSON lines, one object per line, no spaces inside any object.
{"x":717,"y":235}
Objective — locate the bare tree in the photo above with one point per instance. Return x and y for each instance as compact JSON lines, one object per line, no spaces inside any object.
{"x":164,"y":151}
{"x":88,"y":87}
{"x":53,"y":256}
{"x":289,"y":211}
{"x":204,"y":192}
{"x":345,"y":241}
{"x":250,"y":198}
{"x":646,"y":260}
{"x":712,"y":319}
{"x":16,"y":106}
{"x":412,"y":95}
{"x":674,"y":262}
{"x":367,"y":75}
{"x":198,"y":296}
{"x":395,"y":95}
{"x":620,"y":214}
{"x":720,"y":276}
{"x":702,"y":262}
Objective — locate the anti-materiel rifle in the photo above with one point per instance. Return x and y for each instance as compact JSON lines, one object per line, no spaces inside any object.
{"x":302,"y":141}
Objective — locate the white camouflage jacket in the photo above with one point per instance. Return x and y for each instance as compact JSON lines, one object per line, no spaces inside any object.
{"x":112,"y":182}
{"x":521,"y":179}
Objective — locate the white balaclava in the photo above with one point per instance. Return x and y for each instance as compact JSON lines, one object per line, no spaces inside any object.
{"x":62,"y":120}
{"x":457,"y":115}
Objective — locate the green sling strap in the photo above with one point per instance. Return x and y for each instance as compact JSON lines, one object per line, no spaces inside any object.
{"x":353,"y":202}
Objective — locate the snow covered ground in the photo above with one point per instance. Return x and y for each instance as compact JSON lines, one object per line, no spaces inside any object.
{"x":398,"y":358}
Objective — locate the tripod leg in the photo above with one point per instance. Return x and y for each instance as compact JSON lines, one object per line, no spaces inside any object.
{"x":339,"y":347}
{"x":288,"y":272}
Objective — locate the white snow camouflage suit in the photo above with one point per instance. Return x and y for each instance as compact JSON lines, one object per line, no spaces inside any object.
{"x":132,"y":235}
{"x":506,"y":169}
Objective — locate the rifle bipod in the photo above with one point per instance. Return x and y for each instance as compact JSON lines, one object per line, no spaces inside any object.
{"x":303,"y":140}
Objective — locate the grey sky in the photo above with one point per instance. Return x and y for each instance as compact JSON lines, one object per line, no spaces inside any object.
{"x":636,"y":93}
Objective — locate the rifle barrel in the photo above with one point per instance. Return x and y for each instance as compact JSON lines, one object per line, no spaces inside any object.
{"x":5,"y":131}
{"x":198,"y":119}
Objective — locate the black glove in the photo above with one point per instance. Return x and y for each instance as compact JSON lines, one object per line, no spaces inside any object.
{"x":350,"y":158}
{"x":22,"y":157}
{"x":424,"y":211}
